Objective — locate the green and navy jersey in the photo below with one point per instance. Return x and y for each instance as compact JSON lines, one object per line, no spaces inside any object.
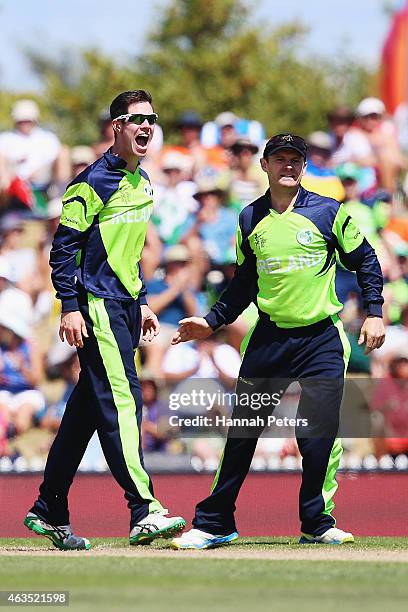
{"x":286,"y":262}
{"x":102,"y":232}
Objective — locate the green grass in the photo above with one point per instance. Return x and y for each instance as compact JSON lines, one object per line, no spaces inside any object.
{"x":194,"y":584}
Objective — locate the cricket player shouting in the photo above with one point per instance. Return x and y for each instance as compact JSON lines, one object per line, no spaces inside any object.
{"x":96,"y":272}
{"x":286,"y":247}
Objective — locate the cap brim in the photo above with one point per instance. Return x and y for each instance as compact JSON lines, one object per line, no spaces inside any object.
{"x":285,"y":146}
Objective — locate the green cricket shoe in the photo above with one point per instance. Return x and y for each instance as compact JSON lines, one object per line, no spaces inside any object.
{"x":156,"y":525}
{"x":60,"y":535}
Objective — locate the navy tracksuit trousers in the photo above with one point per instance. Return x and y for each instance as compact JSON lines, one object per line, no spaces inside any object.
{"x":107,"y":399}
{"x":317,"y":357}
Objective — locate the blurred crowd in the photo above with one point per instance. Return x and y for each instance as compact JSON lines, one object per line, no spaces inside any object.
{"x":200,"y":185}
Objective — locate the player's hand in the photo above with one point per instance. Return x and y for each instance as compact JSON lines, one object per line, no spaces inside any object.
{"x":73,"y":327}
{"x":150,"y":323}
{"x":192,"y":328}
{"x":372,"y":334}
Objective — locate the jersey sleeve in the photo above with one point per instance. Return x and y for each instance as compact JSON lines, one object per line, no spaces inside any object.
{"x":358,"y":255}
{"x":240,"y":291}
{"x":81,"y":204}
{"x":143,"y":290}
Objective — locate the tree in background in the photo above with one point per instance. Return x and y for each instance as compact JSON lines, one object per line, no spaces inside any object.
{"x":206,"y":55}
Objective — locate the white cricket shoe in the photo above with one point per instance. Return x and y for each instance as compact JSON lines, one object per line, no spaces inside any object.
{"x":331,"y":536}
{"x":156,"y":525}
{"x":199,"y":540}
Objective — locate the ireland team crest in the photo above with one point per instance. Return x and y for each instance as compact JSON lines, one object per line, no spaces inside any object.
{"x":304,"y":237}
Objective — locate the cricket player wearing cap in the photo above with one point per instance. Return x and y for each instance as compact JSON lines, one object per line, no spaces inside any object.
{"x":95,"y":261}
{"x":286,"y":251}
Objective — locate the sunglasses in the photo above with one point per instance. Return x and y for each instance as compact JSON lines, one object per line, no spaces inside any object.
{"x":139,"y":118}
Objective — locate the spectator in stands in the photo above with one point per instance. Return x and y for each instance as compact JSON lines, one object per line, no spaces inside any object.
{"x":247,"y":180}
{"x":227,"y":135}
{"x":389,"y":404}
{"x":171,"y":298}
{"x":6,"y":275}
{"x":347,"y":144}
{"x":4,"y":430}
{"x":396,"y":345}
{"x":214,"y":229}
{"x":30,"y":149}
{"x":383,"y":140}
{"x":363,"y":215}
{"x":20,"y":363}
{"x":155,"y":426}
{"x":320,"y":177}
{"x":189,"y":126}
{"x":22,"y":260}
{"x":174,"y":202}
{"x":106,"y":138}
{"x":209,"y":359}
{"x":227,"y":128}
{"x":396,"y":290}
{"x":15,"y":193}
{"x":62,"y":364}
{"x":81,"y":158}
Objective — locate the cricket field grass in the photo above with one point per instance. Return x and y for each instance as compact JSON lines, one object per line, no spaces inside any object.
{"x":252,"y":574}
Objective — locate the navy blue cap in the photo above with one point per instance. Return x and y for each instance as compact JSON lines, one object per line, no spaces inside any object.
{"x":285,"y":141}
{"x":190,"y":118}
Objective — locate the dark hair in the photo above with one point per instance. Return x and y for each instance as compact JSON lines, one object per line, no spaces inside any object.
{"x":120,"y":104}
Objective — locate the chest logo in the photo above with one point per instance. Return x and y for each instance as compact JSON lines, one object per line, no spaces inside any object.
{"x":259,"y":241}
{"x":148,"y":190}
{"x":304,"y":237}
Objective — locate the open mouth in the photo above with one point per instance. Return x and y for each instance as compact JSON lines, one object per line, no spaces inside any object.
{"x":142,"y":140}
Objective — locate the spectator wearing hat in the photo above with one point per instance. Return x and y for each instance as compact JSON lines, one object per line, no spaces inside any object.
{"x":383,"y":140}
{"x":20,"y":362}
{"x":81,"y":158}
{"x":172,"y":298}
{"x":226,"y":123}
{"x":366,"y":220}
{"x":319,"y":176}
{"x":215,"y":223}
{"x":31,"y":150}
{"x":247,"y":180}
{"x":218,"y":136}
{"x":189,"y":126}
{"x":227,"y":128}
{"x":71,"y":162}
{"x":174,"y":202}
{"x":365,"y":217}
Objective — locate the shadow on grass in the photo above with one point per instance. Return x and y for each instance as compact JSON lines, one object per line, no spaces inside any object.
{"x":265,"y":543}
